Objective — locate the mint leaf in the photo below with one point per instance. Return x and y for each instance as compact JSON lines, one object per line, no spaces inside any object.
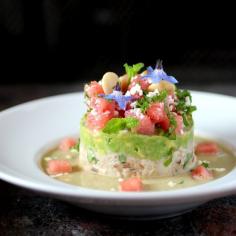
{"x":131,"y":71}
{"x":116,"y":124}
{"x":137,"y":67}
{"x":128,"y":70}
{"x":131,"y":122}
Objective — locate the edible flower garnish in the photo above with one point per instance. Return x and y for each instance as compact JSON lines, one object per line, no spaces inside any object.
{"x":158,"y":74}
{"x":117,"y":96}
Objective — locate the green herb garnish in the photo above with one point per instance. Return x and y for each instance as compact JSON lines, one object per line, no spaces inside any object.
{"x":131,"y":71}
{"x":181,"y":182}
{"x":160,"y":97}
{"x":173,"y":124}
{"x":122,"y":158}
{"x":187,"y":159}
{"x":185,"y":109}
{"x":170,"y":155}
{"x":91,"y":157}
{"x":116,"y":124}
{"x":144,"y":102}
{"x":76,"y":147}
{"x":205,"y":164}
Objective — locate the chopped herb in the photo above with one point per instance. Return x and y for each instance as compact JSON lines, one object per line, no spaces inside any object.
{"x":109,"y":140}
{"x":77,"y":145}
{"x":187,"y":159}
{"x":181,"y":182}
{"x":131,"y":71}
{"x":168,"y":161}
{"x":122,"y":158}
{"x":205,"y":164}
{"x":185,"y":120}
{"x":182,"y":94}
{"x":183,"y":108}
{"x":75,"y":148}
{"x":116,"y":124}
{"x":144,"y":102}
{"x":160,"y":97}
{"x":91,"y":157}
{"x":191,"y":109}
{"x":173,"y":124}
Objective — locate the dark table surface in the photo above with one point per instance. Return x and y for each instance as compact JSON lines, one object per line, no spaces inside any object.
{"x":24,"y":212}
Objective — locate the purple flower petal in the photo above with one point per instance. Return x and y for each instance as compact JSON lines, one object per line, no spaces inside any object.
{"x":171,"y":79}
{"x":153,"y":75}
{"x":121,"y":99}
{"x":149,"y":69}
{"x":157,"y":75}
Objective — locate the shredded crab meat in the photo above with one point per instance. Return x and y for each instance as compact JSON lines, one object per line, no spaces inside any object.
{"x":217,"y":169}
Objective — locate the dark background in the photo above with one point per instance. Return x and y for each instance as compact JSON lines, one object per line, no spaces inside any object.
{"x":51,"y":41}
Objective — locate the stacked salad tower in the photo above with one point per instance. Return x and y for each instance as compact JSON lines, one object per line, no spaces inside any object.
{"x":138,"y":124}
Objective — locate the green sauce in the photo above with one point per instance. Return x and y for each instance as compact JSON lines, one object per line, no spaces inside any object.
{"x":220,"y":165}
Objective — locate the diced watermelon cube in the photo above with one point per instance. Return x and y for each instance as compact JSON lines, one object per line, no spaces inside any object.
{"x":201,"y":173}
{"x":208,"y":148}
{"x":94,"y":89}
{"x":66,"y":144}
{"x":133,"y":184}
{"x":58,"y":167}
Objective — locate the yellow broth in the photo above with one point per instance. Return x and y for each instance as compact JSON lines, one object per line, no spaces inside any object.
{"x":220,"y":164}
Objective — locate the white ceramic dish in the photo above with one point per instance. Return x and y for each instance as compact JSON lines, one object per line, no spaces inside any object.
{"x":29,"y":129}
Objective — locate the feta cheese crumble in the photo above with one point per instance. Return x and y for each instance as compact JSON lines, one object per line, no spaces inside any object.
{"x":187,"y":101}
{"x":137,"y":112}
{"x":133,"y":104}
{"x":171,"y":184}
{"x":153,"y":94}
{"x":136,"y":90}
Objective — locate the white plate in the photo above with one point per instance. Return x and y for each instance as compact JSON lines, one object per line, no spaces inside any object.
{"x":27,"y":129}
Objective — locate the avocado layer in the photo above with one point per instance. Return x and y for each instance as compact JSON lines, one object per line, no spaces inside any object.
{"x":131,"y":144}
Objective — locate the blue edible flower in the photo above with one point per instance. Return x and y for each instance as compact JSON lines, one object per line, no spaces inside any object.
{"x":158,"y":74}
{"x":117,"y":96}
